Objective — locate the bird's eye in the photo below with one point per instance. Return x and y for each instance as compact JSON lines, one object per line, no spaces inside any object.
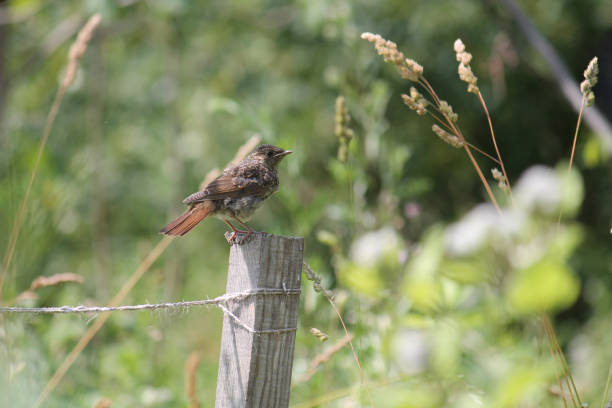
{"x":270,"y":153}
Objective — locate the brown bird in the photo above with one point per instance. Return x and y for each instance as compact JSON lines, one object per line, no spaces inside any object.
{"x":235,"y":194}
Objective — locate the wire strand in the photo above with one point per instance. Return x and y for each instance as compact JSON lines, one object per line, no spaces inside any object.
{"x":220,"y":301}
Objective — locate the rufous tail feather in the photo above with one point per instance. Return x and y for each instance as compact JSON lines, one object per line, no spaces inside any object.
{"x":189,"y":219}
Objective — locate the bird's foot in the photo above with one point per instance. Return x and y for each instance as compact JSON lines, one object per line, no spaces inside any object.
{"x":238,"y":237}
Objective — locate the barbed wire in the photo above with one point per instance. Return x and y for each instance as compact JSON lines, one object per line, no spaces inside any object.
{"x":219,"y":301}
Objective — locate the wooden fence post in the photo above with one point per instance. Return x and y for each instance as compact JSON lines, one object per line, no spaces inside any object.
{"x":255,"y":362}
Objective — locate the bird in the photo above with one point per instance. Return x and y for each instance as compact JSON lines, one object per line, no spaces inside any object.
{"x":235,"y":194}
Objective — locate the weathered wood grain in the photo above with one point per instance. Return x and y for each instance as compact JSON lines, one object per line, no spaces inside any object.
{"x":255,"y":369}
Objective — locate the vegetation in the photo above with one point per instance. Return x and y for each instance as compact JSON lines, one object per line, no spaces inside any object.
{"x":476,"y":276}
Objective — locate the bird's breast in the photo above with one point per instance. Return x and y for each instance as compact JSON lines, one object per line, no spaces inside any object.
{"x":242,"y":207}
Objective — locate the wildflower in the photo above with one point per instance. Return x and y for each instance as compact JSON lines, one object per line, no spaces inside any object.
{"x":452,"y":140}
{"x":408,"y":68}
{"x":464,"y":70}
{"x":341,"y":129}
{"x":316,"y":281}
{"x":447,"y":109}
{"x":501,"y":180}
{"x":590,"y":79}
{"x":414,"y":66}
{"x":78,"y":49}
{"x":318,"y":334}
{"x":416,"y":101}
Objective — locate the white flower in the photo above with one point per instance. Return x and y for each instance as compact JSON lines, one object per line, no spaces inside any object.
{"x":370,"y":248}
{"x":481,"y":224}
{"x":539,"y":189}
{"x":412,"y":349}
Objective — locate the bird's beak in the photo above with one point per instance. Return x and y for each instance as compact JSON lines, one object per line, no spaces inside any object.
{"x":285,"y":153}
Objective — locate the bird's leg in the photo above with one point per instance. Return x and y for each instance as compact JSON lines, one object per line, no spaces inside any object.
{"x":249,"y":230}
{"x":235,"y":232}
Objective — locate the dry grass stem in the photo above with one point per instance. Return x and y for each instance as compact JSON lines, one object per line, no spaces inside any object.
{"x":605,"y":394}
{"x":558,"y":393}
{"x":482,"y":152}
{"x":588,"y":98}
{"x":561,"y":394}
{"x":25,"y":295}
{"x":76,"y":52}
{"x":104,"y":403}
{"x":482,"y":179}
{"x":466,"y":74}
{"x":555,"y":349}
{"x":191,"y":367}
{"x":499,"y":161}
{"x":323,"y":358}
{"x":44,"y":281}
{"x":571,"y":160}
{"x":78,"y":49}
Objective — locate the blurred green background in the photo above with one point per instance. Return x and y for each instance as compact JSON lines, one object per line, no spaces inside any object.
{"x":443,"y":296}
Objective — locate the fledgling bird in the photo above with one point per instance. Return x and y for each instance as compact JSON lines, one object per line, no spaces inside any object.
{"x":235,"y":194}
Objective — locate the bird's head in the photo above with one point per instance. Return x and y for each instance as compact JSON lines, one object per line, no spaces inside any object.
{"x":268,"y":154}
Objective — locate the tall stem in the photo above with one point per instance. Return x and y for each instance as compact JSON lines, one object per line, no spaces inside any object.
{"x":501,"y":162}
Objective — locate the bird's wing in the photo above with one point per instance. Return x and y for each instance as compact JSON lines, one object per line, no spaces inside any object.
{"x":234,"y":182}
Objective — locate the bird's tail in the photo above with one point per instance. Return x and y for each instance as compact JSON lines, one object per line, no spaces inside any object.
{"x":189,"y":219}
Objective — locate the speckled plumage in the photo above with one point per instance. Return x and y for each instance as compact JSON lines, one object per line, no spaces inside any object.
{"x":235,"y":194}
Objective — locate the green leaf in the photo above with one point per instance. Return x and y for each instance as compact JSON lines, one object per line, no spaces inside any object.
{"x":422,"y":285}
{"x":565,"y":242}
{"x":364,"y":279}
{"x":465,"y":270}
{"x":523,"y":385}
{"x":592,"y":153}
{"x":543,"y":287}
{"x":572,"y":190}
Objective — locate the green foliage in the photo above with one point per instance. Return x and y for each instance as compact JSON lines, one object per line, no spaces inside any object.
{"x":532,"y":290}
